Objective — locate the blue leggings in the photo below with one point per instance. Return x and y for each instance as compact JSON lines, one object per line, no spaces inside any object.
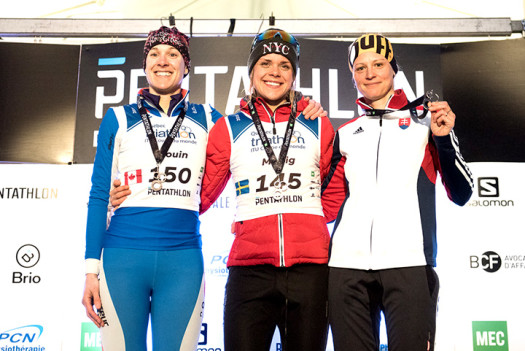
{"x":167,"y":286}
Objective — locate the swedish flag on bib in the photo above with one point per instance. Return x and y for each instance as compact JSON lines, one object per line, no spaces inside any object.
{"x":242,"y":187}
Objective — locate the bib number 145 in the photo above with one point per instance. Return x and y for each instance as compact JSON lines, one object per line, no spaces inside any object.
{"x":293,"y":181}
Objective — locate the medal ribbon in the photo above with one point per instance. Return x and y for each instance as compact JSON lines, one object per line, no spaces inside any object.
{"x":422,"y":100}
{"x":276,"y":164}
{"x":160,"y":154}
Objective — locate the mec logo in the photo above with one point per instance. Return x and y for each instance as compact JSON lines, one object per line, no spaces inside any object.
{"x":90,"y":337}
{"x":490,"y":336}
{"x":488,"y":187}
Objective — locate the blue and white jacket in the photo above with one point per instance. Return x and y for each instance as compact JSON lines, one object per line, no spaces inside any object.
{"x":152,"y":220}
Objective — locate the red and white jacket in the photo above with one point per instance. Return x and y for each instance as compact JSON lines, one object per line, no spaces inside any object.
{"x":280,"y":230}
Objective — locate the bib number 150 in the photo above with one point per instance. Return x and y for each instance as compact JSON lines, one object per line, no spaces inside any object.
{"x":184,"y":175}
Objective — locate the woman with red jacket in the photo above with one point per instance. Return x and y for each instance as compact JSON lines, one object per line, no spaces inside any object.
{"x":278,"y":271}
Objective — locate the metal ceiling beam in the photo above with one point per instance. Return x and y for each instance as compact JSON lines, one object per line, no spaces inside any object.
{"x":138,"y":28}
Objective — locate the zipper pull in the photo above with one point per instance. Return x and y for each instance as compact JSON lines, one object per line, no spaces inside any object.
{"x":274,"y":129}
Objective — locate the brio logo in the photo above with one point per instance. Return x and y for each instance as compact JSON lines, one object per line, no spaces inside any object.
{"x":27,"y":256}
{"x":490,"y":336}
{"x":90,"y":337}
{"x":489,"y":261}
{"x":20,"y":335}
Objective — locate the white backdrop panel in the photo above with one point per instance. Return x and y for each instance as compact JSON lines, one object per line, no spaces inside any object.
{"x":481,"y":261}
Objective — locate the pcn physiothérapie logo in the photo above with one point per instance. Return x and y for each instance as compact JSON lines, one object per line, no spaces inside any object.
{"x":490,"y":336}
{"x":21,"y":336}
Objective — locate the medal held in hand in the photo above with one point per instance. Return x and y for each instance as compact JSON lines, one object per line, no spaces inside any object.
{"x":430,"y":96}
{"x":424,"y":100}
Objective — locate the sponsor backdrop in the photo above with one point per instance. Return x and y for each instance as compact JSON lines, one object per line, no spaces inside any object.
{"x":111,"y":74}
{"x":481,"y":260}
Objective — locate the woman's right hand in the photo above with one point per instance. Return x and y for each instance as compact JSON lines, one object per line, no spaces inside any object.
{"x":118,"y":194}
{"x":92,"y":298}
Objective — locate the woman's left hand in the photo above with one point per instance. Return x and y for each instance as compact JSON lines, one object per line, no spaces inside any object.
{"x":442,"y":118}
{"x":314,"y":109}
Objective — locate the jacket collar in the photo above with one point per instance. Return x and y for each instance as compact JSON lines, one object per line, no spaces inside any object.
{"x":281,"y":113}
{"x":176,"y":104}
{"x":397,"y":101}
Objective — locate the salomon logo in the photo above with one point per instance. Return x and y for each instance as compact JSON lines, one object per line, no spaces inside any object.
{"x":488,"y":187}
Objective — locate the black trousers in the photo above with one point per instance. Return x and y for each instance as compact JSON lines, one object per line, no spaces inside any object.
{"x":407,"y":297}
{"x":259,"y":298}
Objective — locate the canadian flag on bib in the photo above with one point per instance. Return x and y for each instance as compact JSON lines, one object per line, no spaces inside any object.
{"x":133,"y":177}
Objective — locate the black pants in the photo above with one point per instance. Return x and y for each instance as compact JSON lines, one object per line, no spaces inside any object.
{"x":259,"y":298}
{"x":407,"y":297}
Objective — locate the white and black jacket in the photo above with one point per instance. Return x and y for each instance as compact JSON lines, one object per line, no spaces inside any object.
{"x":381,"y":189}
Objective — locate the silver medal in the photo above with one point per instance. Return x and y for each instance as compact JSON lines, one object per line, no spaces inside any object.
{"x":156,"y":185}
{"x":159,"y":178}
{"x":279,"y":188}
